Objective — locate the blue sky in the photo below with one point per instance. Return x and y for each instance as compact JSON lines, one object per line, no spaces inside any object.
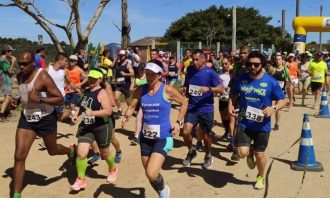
{"x":147,"y":17}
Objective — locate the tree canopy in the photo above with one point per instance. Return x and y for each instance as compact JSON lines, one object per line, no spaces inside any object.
{"x":215,"y":24}
{"x":74,"y":21}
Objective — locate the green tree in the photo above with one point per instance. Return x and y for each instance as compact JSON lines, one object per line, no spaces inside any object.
{"x":215,"y":24}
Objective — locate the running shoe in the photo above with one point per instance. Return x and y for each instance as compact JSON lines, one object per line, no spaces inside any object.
{"x":199,"y":145}
{"x":95,"y":157}
{"x":260,"y":183}
{"x":235,"y":156}
{"x":112,"y":177}
{"x":135,"y":141}
{"x":165,"y":193}
{"x":191,"y":155}
{"x":276,"y":127}
{"x":230,"y":147}
{"x":250,"y":161}
{"x":78,"y":184}
{"x":118,"y":157}
{"x":208,"y":160}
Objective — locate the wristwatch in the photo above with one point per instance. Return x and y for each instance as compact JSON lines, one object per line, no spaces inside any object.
{"x":42,"y":99}
{"x":179,"y":122}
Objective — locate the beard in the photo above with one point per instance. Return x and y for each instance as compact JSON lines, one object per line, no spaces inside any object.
{"x":255,"y":72}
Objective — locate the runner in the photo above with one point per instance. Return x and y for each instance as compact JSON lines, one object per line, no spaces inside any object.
{"x":201,"y":82}
{"x":304,"y":76}
{"x":95,"y":108}
{"x":172,"y":71}
{"x":318,"y":71}
{"x":78,"y":79}
{"x":227,"y":120}
{"x":281,"y":74}
{"x":293,"y":69}
{"x":257,"y":89}
{"x":39,"y":57}
{"x":96,"y":155}
{"x":156,"y":136}
{"x":124,"y":72}
{"x":139,"y":81}
{"x":58,"y":74}
{"x":38,"y":96}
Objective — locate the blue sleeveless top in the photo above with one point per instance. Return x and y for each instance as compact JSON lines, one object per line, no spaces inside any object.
{"x":156,"y":114}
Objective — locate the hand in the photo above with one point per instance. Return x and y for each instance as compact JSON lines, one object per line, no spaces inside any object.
{"x":34,"y":96}
{"x":122,"y":73}
{"x":89,"y":112}
{"x":175,"y":129}
{"x":13,"y":104}
{"x":204,"y":89}
{"x":13,"y":59}
{"x":268,"y":111}
{"x":232,"y":112}
{"x":126,"y":118}
{"x":74,"y":119}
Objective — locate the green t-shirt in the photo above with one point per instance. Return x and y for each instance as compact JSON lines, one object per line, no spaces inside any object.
{"x":5,"y":78}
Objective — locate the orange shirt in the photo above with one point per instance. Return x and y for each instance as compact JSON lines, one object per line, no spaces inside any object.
{"x":74,"y":75}
{"x":293,"y":69}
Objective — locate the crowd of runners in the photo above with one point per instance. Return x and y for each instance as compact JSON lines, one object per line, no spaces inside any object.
{"x":250,"y":88}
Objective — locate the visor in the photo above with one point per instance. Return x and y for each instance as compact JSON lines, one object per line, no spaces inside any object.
{"x":154,"y":68}
{"x":95,"y":74}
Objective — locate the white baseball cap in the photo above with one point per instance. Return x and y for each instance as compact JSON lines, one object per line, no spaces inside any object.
{"x":291,"y":55}
{"x":73,"y":57}
{"x":154,"y":68}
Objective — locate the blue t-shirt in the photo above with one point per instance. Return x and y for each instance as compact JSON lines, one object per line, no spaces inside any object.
{"x":255,"y":95}
{"x":207,"y":77}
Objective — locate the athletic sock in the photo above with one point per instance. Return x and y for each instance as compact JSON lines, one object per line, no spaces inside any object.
{"x":158,"y":184}
{"x":17,"y":195}
{"x":111,"y":161}
{"x":81,"y":167}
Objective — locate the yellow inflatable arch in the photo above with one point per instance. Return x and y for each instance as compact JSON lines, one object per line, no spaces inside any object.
{"x":302,"y":25}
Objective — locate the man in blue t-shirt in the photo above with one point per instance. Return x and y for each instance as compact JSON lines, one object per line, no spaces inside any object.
{"x":201,"y":83}
{"x":256,"y":90}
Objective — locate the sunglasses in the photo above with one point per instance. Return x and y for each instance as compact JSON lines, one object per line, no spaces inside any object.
{"x":72,"y":60}
{"x":255,"y":65}
{"x":24,"y":63}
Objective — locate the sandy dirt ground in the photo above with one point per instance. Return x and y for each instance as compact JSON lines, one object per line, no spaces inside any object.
{"x":48,"y":176}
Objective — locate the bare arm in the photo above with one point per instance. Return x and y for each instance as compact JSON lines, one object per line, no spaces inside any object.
{"x":83,"y":76}
{"x":135,"y":99}
{"x":45,"y":83}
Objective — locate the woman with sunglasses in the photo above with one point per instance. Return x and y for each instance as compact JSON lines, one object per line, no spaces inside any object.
{"x":95,"y":109}
{"x":156,"y":138}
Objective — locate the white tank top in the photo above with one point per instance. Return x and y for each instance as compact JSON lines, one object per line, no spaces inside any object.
{"x":58,"y":77}
{"x":27,"y":105}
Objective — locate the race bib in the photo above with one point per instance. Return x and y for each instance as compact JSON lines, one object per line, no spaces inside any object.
{"x":151,"y":131}
{"x":281,"y":83}
{"x":120,"y":80}
{"x":32,"y":115}
{"x":254,"y":114}
{"x":89,"y":119}
{"x":195,"y":90}
{"x":318,"y":77}
{"x":171,"y":73}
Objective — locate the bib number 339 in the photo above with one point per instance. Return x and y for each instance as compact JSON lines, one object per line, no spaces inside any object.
{"x":32,"y":115}
{"x":254,"y":114}
{"x":151,"y":131}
